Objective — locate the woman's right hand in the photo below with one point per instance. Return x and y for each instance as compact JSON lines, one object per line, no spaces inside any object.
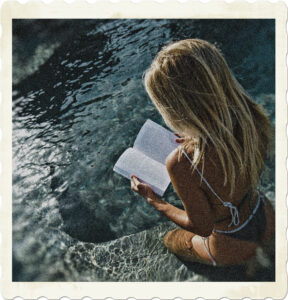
{"x":141,"y":188}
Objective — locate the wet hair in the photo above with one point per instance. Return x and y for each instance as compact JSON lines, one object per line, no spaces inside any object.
{"x":192,"y":86}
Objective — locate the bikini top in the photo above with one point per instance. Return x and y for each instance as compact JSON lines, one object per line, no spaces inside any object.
{"x":235,"y":220}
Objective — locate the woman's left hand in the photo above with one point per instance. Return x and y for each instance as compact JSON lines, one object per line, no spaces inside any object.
{"x":141,"y":188}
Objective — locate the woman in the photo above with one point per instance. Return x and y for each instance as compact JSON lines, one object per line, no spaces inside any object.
{"x":223,"y":141}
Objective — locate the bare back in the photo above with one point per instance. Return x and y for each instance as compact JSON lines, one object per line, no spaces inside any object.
{"x":203,"y":206}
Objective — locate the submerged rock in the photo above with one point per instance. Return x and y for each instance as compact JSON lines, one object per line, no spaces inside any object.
{"x":137,"y":257}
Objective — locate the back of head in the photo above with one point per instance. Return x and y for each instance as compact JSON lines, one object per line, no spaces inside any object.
{"x":193,"y":88}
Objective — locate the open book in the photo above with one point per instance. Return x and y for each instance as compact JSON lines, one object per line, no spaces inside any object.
{"x":146,"y":160}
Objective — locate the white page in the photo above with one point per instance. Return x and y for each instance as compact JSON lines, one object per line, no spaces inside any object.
{"x":146,"y":169}
{"x":155,"y":141}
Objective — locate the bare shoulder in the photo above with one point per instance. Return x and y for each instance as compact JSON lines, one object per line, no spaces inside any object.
{"x":177,"y":161}
{"x":172,"y":159}
{"x":178,"y":166}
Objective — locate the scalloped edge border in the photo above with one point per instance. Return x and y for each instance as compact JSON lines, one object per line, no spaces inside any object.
{"x":144,"y":9}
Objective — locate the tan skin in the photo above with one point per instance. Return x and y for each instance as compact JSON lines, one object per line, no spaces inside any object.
{"x":202,"y":210}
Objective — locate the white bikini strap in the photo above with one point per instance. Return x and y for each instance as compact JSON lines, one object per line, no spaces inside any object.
{"x":233,"y":209}
{"x":208,"y":250}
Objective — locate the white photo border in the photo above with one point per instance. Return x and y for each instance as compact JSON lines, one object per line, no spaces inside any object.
{"x":148,"y":9}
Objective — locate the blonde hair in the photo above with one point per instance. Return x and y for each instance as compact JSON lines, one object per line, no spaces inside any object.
{"x":192,"y":86}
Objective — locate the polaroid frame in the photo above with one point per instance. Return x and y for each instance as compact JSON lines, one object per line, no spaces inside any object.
{"x":145,"y":290}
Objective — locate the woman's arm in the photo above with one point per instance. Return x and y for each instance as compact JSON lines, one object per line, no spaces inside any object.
{"x":175,"y":214}
{"x":187,"y":185}
{"x":184,"y":218}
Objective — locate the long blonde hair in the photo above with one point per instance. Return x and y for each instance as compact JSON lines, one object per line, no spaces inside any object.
{"x":192,"y":86}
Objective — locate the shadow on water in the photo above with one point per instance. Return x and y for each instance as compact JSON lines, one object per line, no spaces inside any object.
{"x":81,"y":222}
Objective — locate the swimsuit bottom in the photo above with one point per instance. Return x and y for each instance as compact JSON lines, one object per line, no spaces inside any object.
{"x":250,"y":230}
{"x":253,"y":228}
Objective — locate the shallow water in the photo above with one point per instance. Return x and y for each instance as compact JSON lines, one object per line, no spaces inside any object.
{"x":85,"y":105}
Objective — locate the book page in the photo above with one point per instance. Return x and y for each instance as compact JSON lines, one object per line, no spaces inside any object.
{"x":146,"y":169}
{"x":155,"y":141}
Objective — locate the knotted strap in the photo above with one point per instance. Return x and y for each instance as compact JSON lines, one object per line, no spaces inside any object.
{"x":234,"y":213}
{"x":261,"y":198}
{"x":233,"y":209}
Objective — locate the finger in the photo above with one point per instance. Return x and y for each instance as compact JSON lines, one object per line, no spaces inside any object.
{"x":132,"y":179}
{"x":179,"y":140}
{"x":135,"y":179}
{"x":135,"y":184}
{"x":134,"y":187}
{"x":132,"y":182}
{"x":132,"y":176}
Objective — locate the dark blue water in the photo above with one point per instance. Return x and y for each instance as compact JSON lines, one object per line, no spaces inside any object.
{"x":85,"y":105}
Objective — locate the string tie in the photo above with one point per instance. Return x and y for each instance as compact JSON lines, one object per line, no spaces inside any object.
{"x":261,"y":197}
{"x":234,"y":213}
